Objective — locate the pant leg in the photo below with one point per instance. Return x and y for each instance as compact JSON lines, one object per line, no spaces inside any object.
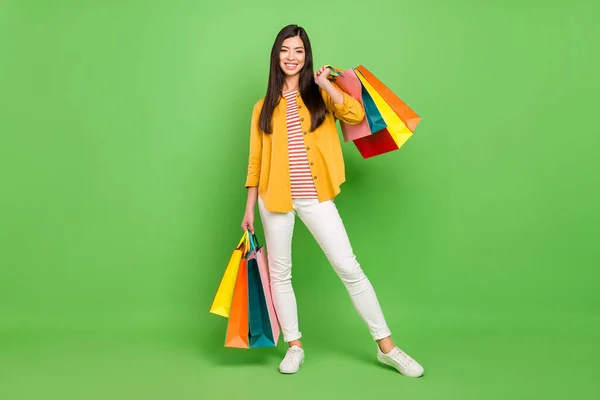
{"x":279,"y":229}
{"x":325,"y":223}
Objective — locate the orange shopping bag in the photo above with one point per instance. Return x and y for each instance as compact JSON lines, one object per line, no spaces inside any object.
{"x":406,"y":114}
{"x":238,"y":326}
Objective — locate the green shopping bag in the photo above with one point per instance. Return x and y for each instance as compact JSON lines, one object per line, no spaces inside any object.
{"x":261,"y":332}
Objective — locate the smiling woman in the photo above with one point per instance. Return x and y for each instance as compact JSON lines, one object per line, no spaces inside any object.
{"x":296,"y":167}
{"x":291,"y":57}
{"x":291,"y":68}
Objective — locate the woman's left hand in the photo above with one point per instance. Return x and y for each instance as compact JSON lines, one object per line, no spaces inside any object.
{"x":321,"y":76}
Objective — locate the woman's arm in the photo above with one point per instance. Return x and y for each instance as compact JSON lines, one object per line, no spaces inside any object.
{"x":252,"y":197}
{"x":334,"y":92}
{"x":345,"y":107}
{"x":255,"y":158}
{"x":248,"y":220}
{"x":254,"y":167}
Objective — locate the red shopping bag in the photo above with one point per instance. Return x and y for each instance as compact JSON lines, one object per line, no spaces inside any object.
{"x":373,"y":145}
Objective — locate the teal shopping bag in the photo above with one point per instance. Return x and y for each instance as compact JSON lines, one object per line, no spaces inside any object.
{"x":261,"y":332}
{"x":374,"y":118}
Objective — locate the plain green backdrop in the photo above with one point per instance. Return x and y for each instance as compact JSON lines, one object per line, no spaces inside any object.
{"x":124,"y":132}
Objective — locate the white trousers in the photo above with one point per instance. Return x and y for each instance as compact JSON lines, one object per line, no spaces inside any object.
{"x":325,"y":224}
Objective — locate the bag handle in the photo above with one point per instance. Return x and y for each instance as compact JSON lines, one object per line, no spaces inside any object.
{"x":334,"y":72}
{"x":244,"y":241}
{"x":254,"y":245}
{"x":255,"y":239}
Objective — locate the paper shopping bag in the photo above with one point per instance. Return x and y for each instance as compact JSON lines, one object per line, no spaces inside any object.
{"x":406,"y":114}
{"x":350,"y":84}
{"x":263,"y":269}
{"x":395,"y":126}
{"x":237,"y":326}
{"x":261,"y":333}
{"x":261,"y":258}
{"x":373,"y":145}
{"x":222,"y":302}
{"x":372,"y":113}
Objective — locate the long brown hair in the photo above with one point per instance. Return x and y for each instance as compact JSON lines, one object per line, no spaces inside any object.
{"x":309,"y":90}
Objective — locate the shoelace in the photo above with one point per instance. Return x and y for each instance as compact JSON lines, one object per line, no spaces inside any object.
{"x":292,"y":356}
{"x":402,"y":358}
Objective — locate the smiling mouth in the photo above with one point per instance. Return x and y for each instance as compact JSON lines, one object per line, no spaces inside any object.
{"x":291,"y":66}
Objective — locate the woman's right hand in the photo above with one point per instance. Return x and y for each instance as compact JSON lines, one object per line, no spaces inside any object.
{"x":248,"y":221}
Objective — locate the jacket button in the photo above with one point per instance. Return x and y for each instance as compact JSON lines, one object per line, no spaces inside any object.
{"x":312,"y":163}
{"x":308,"y":148}
{"x":299,"y":107}
{"x":302,"y":119}
{"x":304,"y":132}
{"x":315,"y":177}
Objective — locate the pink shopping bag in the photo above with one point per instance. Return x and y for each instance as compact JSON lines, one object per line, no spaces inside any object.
{"x":350,"y":84}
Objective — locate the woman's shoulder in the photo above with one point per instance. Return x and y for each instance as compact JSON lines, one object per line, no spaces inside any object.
{"x":258,"y":105}
{"x":257,"y":109}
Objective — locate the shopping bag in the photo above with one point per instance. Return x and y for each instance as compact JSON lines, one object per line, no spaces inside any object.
{"x":399,"y":120}
{"x":378,"y":143}
{"x":264,"y":326}
{"x":395,"y":126}
{"x":263,"y":269}
{"x":372,"y":113}
{"x":349,"y":83}
{"x":222,"y":302}
{"x":261,"y":334}
{"x":237,"y":326}
{"x":406,"y":114}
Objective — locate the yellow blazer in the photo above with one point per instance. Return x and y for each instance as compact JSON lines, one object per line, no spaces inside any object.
{"x":268,"y":165}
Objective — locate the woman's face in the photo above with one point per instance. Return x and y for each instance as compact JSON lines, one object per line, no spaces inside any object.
{"x":291,"y":56}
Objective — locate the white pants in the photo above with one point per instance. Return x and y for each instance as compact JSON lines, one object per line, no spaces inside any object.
{"x":325,"y":224}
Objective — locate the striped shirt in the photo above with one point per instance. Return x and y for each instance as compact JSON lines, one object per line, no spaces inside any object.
{"x":301,"y":178}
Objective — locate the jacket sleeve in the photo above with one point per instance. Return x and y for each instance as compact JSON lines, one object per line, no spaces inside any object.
{"x":350,"y":111}
{"x":256,"y":141}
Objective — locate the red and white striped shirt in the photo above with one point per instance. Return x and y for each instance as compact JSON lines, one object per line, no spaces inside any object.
{"x":301,"y":178}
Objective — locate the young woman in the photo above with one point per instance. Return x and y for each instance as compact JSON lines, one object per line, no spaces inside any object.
{"x":296,"y":168}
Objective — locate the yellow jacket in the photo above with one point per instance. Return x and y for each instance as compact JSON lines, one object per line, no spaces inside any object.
{"x":268,"y":166}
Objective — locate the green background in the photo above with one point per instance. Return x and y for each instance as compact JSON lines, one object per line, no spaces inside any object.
{"x":123,"y":151}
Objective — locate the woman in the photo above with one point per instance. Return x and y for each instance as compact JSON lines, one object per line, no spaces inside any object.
{"x":296,"y":168}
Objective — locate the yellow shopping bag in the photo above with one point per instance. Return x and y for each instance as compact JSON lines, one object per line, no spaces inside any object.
{"x":397,"y":129}
{"x":222,"y":303}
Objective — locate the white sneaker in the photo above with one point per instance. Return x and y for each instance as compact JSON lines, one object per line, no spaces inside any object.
{"x":292,"y":360}
{"x":401,"y":361}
